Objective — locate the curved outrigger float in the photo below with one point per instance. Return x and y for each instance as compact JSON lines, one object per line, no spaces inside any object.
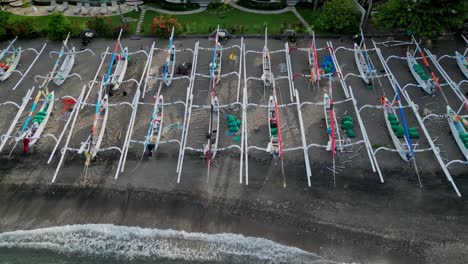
{"x":9,"y":59}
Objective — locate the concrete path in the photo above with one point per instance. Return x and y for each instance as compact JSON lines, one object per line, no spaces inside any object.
{"x":306,"y":25}
{"x":263,"y":12}
{"x":167,"y":12}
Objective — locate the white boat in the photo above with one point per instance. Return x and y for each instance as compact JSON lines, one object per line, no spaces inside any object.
{"x":462,"y":62}
{"x":458,"y":130}
{"x":215,"y":65}
{"x":401,"y":144}
{"x":170,"y":59}
{"x":93,"y":143}
{"x":170,"y":66}
{"x":331,"y":123}
{"x":156,"y":125}
{"x":274,"y":145}
{"x":120,"y":69}
{"x":422,"y":78}
{"x":266,"y":64}
{"x":211,"y":146}
{"x":10,"y":63}
{"x":65,"y":68}
{"x":362,"y":65}
{"x":39,"y":121}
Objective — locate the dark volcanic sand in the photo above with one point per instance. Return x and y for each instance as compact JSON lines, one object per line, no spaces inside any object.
{"x":361,"y":220}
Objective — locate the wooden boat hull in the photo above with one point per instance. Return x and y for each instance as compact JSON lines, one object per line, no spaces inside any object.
{"x":427,"y":85}
{"x":397,"y":142}
{"x":12,"y":65}
{"x":158,"y":114}
{"x":361,"y":64}
{"x":213,"y":129}
{"x":101,"y":126}
{"x":455,"y":132}
{"x":170,"y":68}
{"x":119,"y":72}
{"x":42,"y":126}
{"x":273,"y":145}
{"x":266,"y":65}
{"x":65,"y":69}
{"x":217,"y":71}
{"x":461,"y":61}
{"x":48,"y":106}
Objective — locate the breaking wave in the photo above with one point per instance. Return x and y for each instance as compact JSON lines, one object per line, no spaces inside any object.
{"x":142,"y":243}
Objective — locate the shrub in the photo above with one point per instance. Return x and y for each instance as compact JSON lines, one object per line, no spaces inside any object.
{"x":76,"y":28}
{"x":23,"y":28}
{"x":59,"y":27}
{"x":3,"y":22}
{"x":162,"y":26}
{"x":338,"y":16}
{"x":102,"y":26}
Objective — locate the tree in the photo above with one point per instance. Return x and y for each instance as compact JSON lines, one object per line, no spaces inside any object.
{"x":425,"y":18}
{"x":3,"y":22}
{"x":338,"y":16}
{"x":59,"y":27}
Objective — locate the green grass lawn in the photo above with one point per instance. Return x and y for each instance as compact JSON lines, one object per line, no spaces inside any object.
{"x":229,"y":18}
{"x":42,"y":22}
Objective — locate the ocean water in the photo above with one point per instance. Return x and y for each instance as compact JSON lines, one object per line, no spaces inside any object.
{"x":103,"y":243}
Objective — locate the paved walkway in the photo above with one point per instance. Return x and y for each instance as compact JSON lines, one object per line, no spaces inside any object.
{"x":263,"y":12}
{"x":167,"y":12}
{"x":306,"y":25}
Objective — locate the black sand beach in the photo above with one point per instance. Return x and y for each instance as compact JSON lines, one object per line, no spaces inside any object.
{"x":360,"y":220}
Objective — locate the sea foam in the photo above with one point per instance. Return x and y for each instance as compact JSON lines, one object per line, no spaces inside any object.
{"x":136,"y":242}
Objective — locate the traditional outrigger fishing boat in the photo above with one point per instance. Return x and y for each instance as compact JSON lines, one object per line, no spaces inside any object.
{"x":170,"y":58}
{"x":215,"y":65}
{"x":64,"y":71}
{"x":153,"y":135}
{"x":10,"y":62}
{"x":118,"y":75}
{"x":458,"y":127}
{"x":31,"y":134}
{"x":266,"y":64}
{"x":363,"y":64}
{"x":396,"y":131}
{"x":313,"y":60}
{"x":94,"y":140}
{"x":211,"y":147}
{"x":422,"y":78}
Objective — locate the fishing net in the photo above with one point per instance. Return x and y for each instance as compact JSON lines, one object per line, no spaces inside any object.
{"x":237,"y":138}
{"x":394,"y":122}
{"x":392,"y":117}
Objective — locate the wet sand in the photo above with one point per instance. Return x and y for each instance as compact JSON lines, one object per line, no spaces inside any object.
{"x":359,"y":220}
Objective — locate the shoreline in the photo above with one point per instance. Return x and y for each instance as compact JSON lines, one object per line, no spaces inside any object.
{"x":37,"y":205}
